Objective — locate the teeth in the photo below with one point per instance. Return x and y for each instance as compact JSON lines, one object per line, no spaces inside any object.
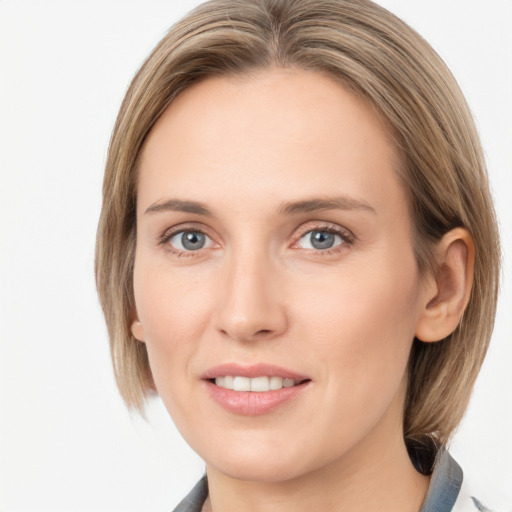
{"x":288,"y":383}
{"x":242,"y":384}
{"x":276,"y":383}
{"x":260,"y":384}
{"x":257,"y":384}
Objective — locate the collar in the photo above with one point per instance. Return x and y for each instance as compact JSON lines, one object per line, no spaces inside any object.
{"x":445,"y":484}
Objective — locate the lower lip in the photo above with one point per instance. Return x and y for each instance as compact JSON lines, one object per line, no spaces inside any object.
{"x":251,"y":403}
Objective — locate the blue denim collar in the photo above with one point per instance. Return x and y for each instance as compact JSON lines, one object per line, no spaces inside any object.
{"x":441,"y":496}
{"x":445,"y":484}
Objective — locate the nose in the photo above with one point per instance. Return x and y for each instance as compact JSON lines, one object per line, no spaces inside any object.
{"x":252,"y":302}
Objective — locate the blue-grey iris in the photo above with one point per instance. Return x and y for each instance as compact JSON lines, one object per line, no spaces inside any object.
{"x":192,"y":240}
{"x":322,"y":239}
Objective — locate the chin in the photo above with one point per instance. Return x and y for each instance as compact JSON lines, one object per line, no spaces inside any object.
{"x":265,"y":463}
{"x":258,"y":471}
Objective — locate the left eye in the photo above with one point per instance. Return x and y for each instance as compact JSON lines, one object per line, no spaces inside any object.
{"x":190,"y":241}
{"x":320,"y":240}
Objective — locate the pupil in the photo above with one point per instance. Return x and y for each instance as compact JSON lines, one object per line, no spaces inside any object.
{"x":322,"y":239}
{"x":192,"y":241}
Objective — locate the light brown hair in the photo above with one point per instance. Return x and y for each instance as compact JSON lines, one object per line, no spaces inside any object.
{"x":378,"y":57}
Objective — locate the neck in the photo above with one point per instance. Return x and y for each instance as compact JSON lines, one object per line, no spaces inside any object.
{"x":379,"y":487}
{"x":376,"y":475}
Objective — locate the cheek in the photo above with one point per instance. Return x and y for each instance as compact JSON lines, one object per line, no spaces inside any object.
{"x":361,"y":326}
{"x":168,"y":301}
{"x":172,"y":309}
{"x":364,"y":322}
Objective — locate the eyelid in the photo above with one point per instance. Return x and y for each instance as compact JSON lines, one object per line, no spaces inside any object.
{"x":346,"y":235}
{"x":169,"y":233}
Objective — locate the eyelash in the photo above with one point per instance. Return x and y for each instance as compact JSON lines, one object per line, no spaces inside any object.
{"x":167,"y":236}
{"x":347,"y":237}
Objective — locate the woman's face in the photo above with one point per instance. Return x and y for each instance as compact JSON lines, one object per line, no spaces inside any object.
{"x":274,"y":251}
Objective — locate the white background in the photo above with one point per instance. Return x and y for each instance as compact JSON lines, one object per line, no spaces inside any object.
{"x":66,"y":441}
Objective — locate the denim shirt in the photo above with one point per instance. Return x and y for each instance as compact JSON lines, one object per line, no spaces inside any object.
{"x":446,"y":492}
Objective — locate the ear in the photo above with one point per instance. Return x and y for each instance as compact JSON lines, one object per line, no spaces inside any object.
{"x":448,"y":292}
{"x":138,"y":333}
{"x":137,"y":328}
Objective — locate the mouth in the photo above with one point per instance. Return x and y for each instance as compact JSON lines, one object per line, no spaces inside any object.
{"x":261,"y":384}
{"x":254,"y":390}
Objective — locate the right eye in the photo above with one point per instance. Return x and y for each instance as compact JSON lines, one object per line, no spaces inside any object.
{"x":186,"y":241}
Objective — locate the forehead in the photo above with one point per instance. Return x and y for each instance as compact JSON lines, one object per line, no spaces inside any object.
{"x":276,"y":131}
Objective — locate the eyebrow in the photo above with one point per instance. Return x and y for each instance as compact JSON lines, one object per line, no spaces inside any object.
{"x":325,"y":203}
{"x":178,"y":205}
{"x":289,"y":208}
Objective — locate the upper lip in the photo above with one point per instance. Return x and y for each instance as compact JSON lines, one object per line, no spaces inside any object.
{"x":252,"y":370}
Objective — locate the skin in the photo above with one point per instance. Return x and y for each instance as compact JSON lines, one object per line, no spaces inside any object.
{"x":345,"y":317}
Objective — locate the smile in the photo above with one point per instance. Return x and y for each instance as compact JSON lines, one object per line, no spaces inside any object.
{"x":256,"y":384}
{"x":255,"y":389}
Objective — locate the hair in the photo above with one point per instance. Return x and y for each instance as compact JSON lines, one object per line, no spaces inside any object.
{"x":378,"y":57}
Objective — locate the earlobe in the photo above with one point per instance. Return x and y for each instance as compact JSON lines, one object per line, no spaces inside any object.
{"x":137,"y":330}
{"x":450,"y":289}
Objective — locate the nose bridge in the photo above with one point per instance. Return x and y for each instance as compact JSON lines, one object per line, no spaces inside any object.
{"x":251,"y":303}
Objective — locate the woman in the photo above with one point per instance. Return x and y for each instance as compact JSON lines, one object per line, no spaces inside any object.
{"x":298,"y":252}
